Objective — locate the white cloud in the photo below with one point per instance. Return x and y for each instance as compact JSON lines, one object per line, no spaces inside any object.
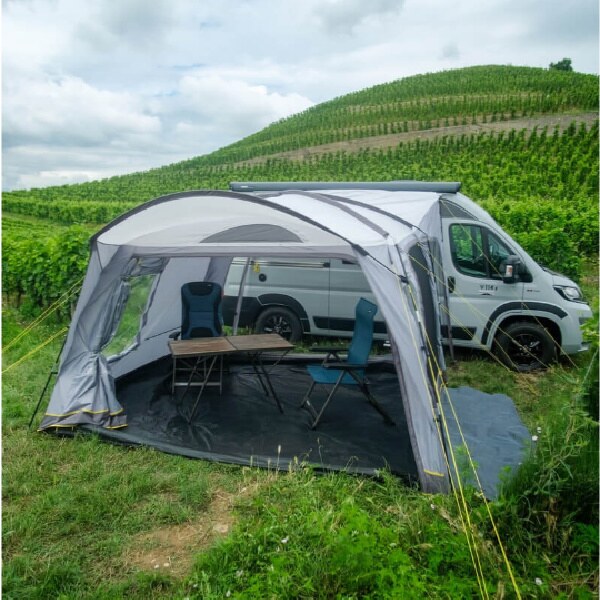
{"x":234,"y":103}
{"x":68,"y":110}
{"x":343,"y":16}
{"x":112,"y":87}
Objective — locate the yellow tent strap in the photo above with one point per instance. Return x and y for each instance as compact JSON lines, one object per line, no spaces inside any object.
{"x":463,"y":510}
{"x":35,"y":350}
{"x":463,"y":504}
{"x":472,"y":464}
{"x":45,"y":314}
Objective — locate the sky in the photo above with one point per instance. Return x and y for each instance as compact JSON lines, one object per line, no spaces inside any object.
{"x":106,"y":87}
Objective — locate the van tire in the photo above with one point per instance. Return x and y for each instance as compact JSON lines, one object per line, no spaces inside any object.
{"x":281,"y":320}
{"x":525,"y":347}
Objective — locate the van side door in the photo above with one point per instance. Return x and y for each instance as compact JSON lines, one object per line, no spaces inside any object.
{"x":347,"y":284}
{"x":473,"y":255}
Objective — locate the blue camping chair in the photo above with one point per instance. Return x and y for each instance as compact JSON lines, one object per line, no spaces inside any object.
{"x":335,"y":372}
{"x":201,"y":310}
{"x":200,"y":317}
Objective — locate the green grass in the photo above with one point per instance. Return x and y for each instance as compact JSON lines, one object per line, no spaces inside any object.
{"x":76,"y":510}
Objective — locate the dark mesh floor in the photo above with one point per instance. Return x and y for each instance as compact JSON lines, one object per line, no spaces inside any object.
{"x":243,"y":426}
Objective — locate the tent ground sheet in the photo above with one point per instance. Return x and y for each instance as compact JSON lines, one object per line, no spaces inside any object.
{"x":244,"y":426}
{"x":489,"y":426}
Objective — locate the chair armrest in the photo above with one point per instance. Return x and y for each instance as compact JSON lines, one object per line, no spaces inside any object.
{"x":344,"y":366}
{"x":175,"y":335}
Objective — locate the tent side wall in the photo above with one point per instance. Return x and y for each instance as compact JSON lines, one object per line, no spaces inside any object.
{"x":84,"y":390}
{"x":410,"y":355}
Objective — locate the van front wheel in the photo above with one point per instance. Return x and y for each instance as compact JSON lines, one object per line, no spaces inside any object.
{"x":525,"y":347}
{"x":283,"y":321}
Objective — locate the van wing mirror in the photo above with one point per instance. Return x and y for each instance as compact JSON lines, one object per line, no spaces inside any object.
{"x":510,"y":268}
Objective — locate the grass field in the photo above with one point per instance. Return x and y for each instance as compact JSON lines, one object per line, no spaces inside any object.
{"x":85,"y":519}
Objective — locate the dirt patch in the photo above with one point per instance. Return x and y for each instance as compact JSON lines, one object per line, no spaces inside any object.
{"x":172,"y":548}
{"x":390,"y":141}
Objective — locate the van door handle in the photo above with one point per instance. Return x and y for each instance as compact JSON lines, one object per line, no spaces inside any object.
{"x":451,"y":284}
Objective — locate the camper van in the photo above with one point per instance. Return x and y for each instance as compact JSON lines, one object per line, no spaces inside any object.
{"x":492,"y":295}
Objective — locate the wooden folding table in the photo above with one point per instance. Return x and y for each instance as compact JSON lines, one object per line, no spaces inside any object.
{"x":206,"y":352}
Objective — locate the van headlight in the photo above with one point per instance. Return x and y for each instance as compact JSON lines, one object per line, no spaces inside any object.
{"x":569,"y":292}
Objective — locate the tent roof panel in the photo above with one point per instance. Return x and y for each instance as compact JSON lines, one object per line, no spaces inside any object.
{"x":189,"y":220}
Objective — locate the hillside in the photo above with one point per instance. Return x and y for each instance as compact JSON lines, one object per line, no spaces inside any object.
{"x":451,"y":103}
{"x":523,"y":141}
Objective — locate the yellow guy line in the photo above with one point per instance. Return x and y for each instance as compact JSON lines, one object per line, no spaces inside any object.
{"x":473,"y":468}
{"x":36,"y":349}
{"x":46,"y":313}
{"x":471,"y":462}
{"x":463,"y":510}
{"x":487,"y":506}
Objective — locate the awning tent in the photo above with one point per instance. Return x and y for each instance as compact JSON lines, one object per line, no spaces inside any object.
{"x":193,"y":236}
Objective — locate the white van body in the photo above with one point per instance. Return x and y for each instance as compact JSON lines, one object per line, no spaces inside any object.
{"x":322,"y":293}
{"x":532,"y":314}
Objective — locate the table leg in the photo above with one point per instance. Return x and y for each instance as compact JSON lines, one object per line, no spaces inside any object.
{"x":191,"y":377}
{"x":253,"y":363}
{"x":260,"y":370}
{"x":173,"y":378}
{"x":207,"y":372}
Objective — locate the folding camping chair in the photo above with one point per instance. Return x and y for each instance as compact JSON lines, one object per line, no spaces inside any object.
{"x":200,"y":317}
{"x":351,"y":371}
{"x":201,"y":310}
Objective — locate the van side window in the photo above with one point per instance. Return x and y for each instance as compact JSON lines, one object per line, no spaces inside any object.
{"x":466,"y":246}
{"x":497,"y":252}
{"x":478,"y":252}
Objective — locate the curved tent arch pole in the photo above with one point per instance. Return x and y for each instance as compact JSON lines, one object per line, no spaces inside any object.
{"x":393,"y":216}
{"x":326,"y":198}
{"x":339,"y":203}
{"x":426,"y":373}
{"x":375,"y":209}
{"x":415,"y":386}
{"x":241,"y":196}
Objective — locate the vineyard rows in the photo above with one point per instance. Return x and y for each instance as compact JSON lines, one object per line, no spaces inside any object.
{"x":540,"y":184}
{"x":450,"y":98}
{"x":501,"y":170}
{"x":18,"y":228}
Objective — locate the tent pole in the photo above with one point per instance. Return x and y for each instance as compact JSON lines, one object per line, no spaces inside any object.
{"x":446,"y":305}
{"x":53,"y":371}
{"x":238,"y":306}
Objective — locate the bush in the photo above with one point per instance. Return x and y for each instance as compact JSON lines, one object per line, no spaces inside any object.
{"x":38,"y":272}
{"x":554,"y":495}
